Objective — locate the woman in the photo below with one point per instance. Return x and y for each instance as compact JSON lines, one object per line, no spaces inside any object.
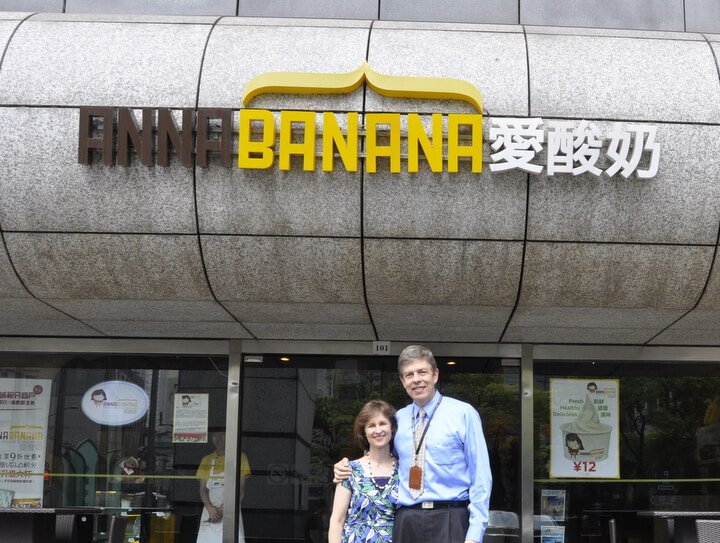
{"x":364,"y":504}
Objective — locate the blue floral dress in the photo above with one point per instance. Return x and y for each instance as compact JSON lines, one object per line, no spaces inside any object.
{"x":372,"y":507}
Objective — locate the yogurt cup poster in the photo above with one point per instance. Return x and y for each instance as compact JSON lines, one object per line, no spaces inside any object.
{"x":584,"y":428}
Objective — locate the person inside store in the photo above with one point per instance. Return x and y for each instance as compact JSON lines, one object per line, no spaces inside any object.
{"x":211,"y":477}
{"x":712,"y":413}
{"x":364,"y":504}
{"x":443,"y":465}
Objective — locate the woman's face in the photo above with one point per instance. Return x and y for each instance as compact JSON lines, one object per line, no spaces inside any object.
{"x":378,"y":431}
{"x":218,"y":439}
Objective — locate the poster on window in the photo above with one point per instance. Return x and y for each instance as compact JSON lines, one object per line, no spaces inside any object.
{"x":584,"y":428}
{"x":115,"y":403}
{"x":552,"y":503}
{"x":190,"y":420}
{"x":24,"y":409}
{"x":552,"y":534}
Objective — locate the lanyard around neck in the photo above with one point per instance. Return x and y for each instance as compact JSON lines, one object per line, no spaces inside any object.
{"x":427,"y":425}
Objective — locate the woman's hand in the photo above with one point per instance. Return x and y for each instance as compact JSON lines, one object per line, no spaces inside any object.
{"x":215,"y":514}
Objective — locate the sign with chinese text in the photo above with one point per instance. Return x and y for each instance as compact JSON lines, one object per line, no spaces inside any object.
{"x":190,"y":418}
{"x":24,"y":409}
{"x":573,"y":147}
{"x":584,"y":428}
{"x":115,"y":403}
{"x":296,"y":139}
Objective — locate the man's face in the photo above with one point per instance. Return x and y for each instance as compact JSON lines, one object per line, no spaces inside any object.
{"x":419,"y":378}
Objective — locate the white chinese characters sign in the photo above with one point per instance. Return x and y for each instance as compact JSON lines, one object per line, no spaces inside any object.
{"x":573,"y":147}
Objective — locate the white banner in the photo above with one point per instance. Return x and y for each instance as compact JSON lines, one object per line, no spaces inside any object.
{"x":584,"y":428}
{"x":24,"y":409}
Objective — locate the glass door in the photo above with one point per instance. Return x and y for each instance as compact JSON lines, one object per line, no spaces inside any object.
{"x":297,"y":418}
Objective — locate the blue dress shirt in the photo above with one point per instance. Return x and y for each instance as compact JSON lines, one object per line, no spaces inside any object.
{"x":457,"y":466}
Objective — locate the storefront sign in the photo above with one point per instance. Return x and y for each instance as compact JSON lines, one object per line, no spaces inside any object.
{"x":115,"y":403}
{"x":573,"y":147}
{"x":266,"y":139}
{"x":584,"y":429}
{"x":190,"y":418}
{"x":258,"y":138}
{"x":24,"y":409}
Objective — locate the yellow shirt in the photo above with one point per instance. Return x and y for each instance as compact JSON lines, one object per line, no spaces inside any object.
{"x":203,"y":471}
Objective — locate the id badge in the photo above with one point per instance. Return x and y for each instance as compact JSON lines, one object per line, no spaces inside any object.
{"x":415,"y":477}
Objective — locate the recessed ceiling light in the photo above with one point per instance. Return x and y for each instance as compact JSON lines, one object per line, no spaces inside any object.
{"x":284,"y":359}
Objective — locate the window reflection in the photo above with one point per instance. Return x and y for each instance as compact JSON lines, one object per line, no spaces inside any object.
{"x":669,"y":448}
{"x":105,"y":454}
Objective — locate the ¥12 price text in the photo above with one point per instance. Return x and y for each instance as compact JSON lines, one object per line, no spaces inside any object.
{"x":586,"y":467}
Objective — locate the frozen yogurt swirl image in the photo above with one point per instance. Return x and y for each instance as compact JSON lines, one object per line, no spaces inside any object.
{"x":586,"y":437}
{"x":587,"y":421}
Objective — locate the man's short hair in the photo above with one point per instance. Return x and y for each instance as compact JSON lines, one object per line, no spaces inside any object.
{"x":415,"y":352}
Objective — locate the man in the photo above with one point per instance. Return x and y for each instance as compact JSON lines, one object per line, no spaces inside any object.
{"x":445,"y":478}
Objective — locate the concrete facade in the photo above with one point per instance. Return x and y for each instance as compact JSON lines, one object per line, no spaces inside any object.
{"x":218,"y":252}
{"x":673,"y":15}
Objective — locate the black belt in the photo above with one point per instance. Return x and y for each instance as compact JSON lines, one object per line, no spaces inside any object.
{"x":439,"y":505}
